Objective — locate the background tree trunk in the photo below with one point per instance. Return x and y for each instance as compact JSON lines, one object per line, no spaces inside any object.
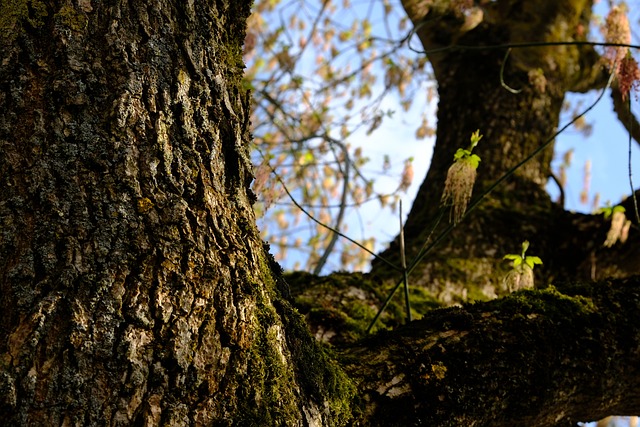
{"x":135,"y":288}
{"x":470,"y":75}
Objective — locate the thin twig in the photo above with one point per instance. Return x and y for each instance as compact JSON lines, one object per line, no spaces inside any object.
{"x":393,"y":291}
{"x":504,"y":85}
{"x":404,"y":265}
{"x":633,"y":191}
{"x":329,"y":206}
{"x":328,"y":227}
{"x":457,"y":47}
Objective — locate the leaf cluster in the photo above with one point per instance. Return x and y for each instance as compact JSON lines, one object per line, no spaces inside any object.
{"x":466,"y":154}
{"x":608,"y":211}
{"x":519,"y":259}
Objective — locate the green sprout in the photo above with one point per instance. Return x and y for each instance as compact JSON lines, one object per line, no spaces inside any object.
{"x":466,"y":155}
{"x":461,"y":177}
{"x":519,"y":259}
{"x":521,"y":274}
{"x":619,"y":229}
{"x":609,"y":210}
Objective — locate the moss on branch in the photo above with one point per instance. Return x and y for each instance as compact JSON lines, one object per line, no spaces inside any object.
{"x":535,"y":358}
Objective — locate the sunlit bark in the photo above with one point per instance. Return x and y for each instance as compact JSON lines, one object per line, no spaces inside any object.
{"x":135,"y":287}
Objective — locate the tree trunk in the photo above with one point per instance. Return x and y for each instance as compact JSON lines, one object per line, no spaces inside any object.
{"x":135,"y":287}
{"x":514,"y":98}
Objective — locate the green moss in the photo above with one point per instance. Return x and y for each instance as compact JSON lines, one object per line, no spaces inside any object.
{"x":71,"y":18}
{"x":336,"y":302}
{"x":307,"y":364}
{"x":548,"y":301}
{"x":13,"y":13}
{"x":231,"y":47}
{"x":346,"y":303}
{"x":269,"y":377}
{"x":476,"y":273}
{"x":422,"y":301}
{"x":274,"y":399}
{"x":270,"y":272}
{"x":317,"y":371}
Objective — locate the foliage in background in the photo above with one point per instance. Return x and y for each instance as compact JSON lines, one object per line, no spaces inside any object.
{"x":320,"y":74}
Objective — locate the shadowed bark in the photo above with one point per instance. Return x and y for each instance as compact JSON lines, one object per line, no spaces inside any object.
{"x":536,"y":358}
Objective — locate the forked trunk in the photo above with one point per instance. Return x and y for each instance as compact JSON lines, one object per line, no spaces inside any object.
{"x":514,"y":98}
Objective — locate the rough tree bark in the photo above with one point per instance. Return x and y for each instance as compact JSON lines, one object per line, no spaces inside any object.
{"x":134,"y":289}
{"x":539,"y":358}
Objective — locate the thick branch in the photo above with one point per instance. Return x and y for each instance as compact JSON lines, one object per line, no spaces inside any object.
{"x":536,"y":358}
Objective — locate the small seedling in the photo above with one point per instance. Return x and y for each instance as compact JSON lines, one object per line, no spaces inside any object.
{"x":460,"y":179}
{"x":619,"y":229}
{"x":521,"y":274}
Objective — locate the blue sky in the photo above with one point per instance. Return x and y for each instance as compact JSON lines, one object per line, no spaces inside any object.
{"x":607,"y":148}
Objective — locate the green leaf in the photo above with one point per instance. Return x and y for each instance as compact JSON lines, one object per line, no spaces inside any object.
{"x":475,"y":138}
{"x":461,"y":153}
{"x":465,"y":155}
{"x":607,"y":211}
{"x":473,"y":160}
{"x":532,"y":260}
{"x":366,"y":27}
{"x":345,"y":35}
{"x":517,"y":259}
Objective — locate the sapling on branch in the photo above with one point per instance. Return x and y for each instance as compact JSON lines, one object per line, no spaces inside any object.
{"x":460,"y":179}
{"x":620,"y":225}
{"x":521,"y":274}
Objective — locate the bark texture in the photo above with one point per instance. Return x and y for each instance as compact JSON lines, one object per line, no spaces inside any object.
{"x":537,"y":358}
{"x":134,"y":286}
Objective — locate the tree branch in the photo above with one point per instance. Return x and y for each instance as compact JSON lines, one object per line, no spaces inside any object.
{"x":625,"y":115}
{"x":535,"y":358}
